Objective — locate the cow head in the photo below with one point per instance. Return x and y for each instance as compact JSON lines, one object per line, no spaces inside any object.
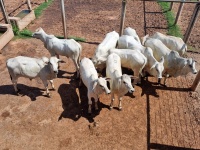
{"x":190,"y":66}
{"x":53,"y":64}
{"x":126,"y":81}
{"x":157,"y":69}
{"x":100,"y":86}
{"x":38,"y":32}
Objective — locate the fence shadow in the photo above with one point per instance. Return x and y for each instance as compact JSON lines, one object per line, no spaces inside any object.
{"x":145,"y":19}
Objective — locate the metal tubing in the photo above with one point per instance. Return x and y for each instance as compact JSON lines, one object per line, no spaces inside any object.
{"x":5,"y":16}
{"x":192,"y":22}
{"x":29,"y":4}
{"x":171,"y":6}
{"x":196,"y":82}
{"x":122,"y":16}
{"x":63,"y":18}
{"x":179,"y":12}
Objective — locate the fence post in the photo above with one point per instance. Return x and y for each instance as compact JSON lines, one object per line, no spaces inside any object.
{"x":63,"y":18}
{"x":171,"y":6}
{"x":29,"y":4}
{"x":122,"y":16}
{"x":196,"y":82}
{"x":5,"y":16}
{"x":192,"y":22}
{"x":179,"y":12}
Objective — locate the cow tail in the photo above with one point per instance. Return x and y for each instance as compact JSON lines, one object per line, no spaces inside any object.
{"x":80,"y":52}
{"x":140,"y":71}
{"x":144,"y":39}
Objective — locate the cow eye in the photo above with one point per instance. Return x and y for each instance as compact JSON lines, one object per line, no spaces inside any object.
{"x":101,"y":85}
{"x":190,"y":66}
{"x":124,"y":82}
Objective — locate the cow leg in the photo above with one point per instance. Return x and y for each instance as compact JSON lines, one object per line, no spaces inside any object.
{"x":14,"y":81}
{"x":96,"y":103}
{"x":77,"y":68}
{"x":112,"y":100}
{"x":89,"y":104}
{"x":46,"y":86}
{"x":52,"y":85}
{"x":165,"y":79}
{"x":120,"y":103}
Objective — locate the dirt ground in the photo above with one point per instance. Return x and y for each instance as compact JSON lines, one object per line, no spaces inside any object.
{"x":154,"y":117}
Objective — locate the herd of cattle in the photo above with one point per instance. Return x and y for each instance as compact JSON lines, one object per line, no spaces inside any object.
{"x":158,"y":55}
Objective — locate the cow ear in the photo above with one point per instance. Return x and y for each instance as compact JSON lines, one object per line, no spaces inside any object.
{"x":162,"y":59}
{"x":133,"y":77}
{"x":107,"y":79}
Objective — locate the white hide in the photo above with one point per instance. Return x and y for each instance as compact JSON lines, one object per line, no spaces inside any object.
{"x":153,"y":67}
{"x":44,"y":68}
{"x":172,"y":42}
{"x":101,"y":52}
{"x":65,"y":47}
{"x":119,"y":84}
{"x":174,"y":64}
{"x":130,"y":31}
{"x":95,"y":85}
{"x":128,"y":42}
{"x":131,"y":59}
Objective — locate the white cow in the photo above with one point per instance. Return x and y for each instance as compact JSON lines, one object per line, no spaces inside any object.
{"x":172,"y":42}
{"x":174,"y":64}
{"x":44,"y":68}
{"x":101,"y":52}
{"x":131,"y":59}
{"x":65,"y":47}
{"x":129,"y":42}
{"x":95,"y":85}
{"x":119,"y":84}
{"x":153,"y":67}
{"x":130,"y":31}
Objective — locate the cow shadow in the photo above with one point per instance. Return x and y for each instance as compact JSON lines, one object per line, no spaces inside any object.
{"x":76,"y":106}
{"x":62,"y":74}
{"x":24,"y":90}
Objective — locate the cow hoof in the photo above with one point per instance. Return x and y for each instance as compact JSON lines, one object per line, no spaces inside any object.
{"x":48,"y":95}
{"x":110,"y":107}
{"x":120,"y":108}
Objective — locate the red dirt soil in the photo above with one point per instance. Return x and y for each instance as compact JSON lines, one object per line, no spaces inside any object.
{"x":154,"y":117}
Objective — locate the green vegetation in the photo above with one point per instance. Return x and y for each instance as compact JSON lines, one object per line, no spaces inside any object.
{"x":38,"y":11}
{"x":170,"y":17}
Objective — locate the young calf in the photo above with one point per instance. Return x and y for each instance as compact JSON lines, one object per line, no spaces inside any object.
{"x":119,"y":84}
{"x":64,"y":47}
{"x":44,"y":68}
{"x":95,"y":85}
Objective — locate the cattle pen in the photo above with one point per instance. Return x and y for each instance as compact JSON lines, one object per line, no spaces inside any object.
{"x":153,"y":117}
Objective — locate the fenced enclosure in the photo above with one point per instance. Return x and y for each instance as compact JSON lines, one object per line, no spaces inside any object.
{"x":154,"y":117}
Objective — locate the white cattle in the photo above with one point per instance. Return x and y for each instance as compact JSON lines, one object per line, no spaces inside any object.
{"x":128,"y":42}
{"x":130,"y":31}
{"x":174,"y":64}
{"x":65,"y":47}
{"x":119,"y":84}
{"x":95,"y":85}
{"x":172,"y":42}
{"x":131,"y":59}
{"x":101,"y":52}
{"x":44,"y":68}
{"x":153,"y":67}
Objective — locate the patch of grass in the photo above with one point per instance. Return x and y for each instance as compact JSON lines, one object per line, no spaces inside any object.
{"x":38,"y":11}
{"x":170,"y":17}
